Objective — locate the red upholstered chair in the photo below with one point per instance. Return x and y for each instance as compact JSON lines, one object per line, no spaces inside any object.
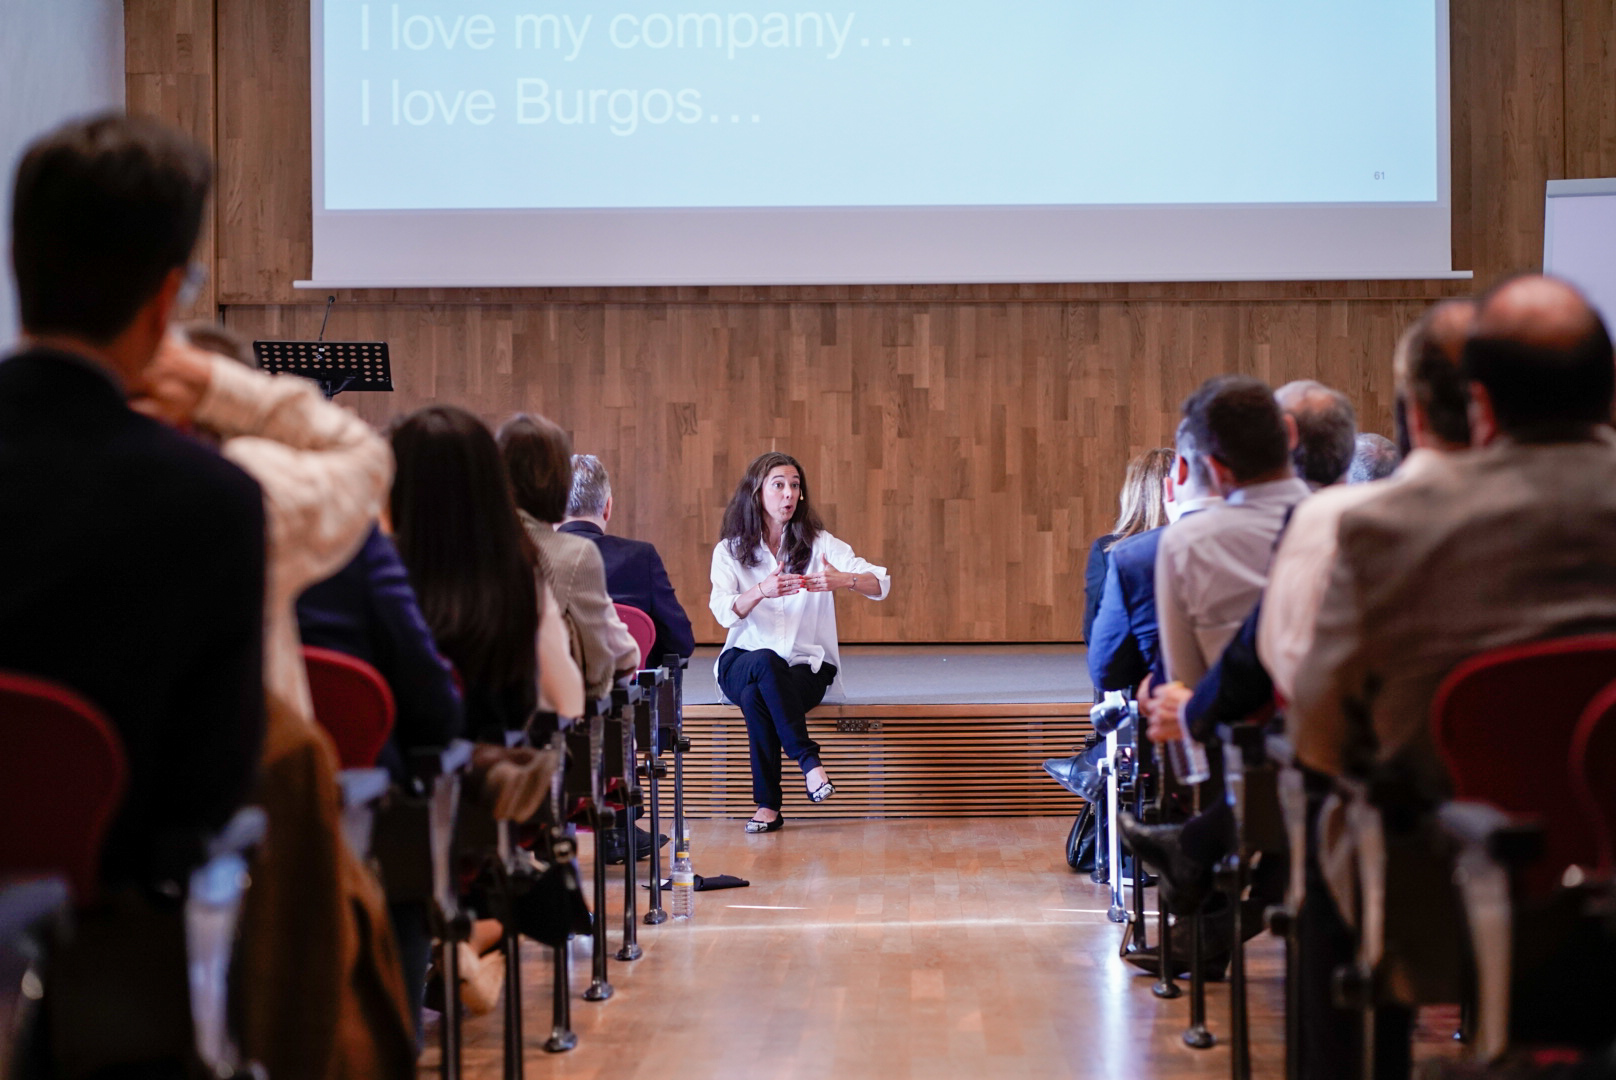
{"x":1504,"y":722}
{"x":62,"y":775}
{"x":1593,"y":772}
{"x":1507,"y":722}
{"x":353,"y":703}
{"x":643,"y":631}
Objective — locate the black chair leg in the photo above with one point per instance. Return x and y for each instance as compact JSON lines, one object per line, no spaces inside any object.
{"x":1196,"y":1036}
{"x":512,"y":946}
{"x":1239,"y":1037}
{"x":562,"y":1038}
{"x":449,"y":1029}
{"x":630,"y":949}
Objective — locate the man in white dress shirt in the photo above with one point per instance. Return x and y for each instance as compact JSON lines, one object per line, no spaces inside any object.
{"x":1212,"y":566}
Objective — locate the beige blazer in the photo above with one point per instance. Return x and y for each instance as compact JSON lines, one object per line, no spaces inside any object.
{"x":1510,"y":543}
{"x":1506,"y":544}
{"x":577,"y":576}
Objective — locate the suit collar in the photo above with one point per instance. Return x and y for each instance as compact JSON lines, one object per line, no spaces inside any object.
{"x":57,"y":376}
{"x":587,"y":528}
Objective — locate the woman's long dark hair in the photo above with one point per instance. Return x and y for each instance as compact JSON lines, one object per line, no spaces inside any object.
{"x":743,"y":519}
{"x":470,"y":561}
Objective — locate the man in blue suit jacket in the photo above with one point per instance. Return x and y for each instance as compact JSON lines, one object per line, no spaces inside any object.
{"x":368,"y":610}
{"x":634,"y":572}
{"x":1123,"y":648}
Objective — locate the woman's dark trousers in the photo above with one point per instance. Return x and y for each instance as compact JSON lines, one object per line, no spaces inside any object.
{"x":775,"y":698}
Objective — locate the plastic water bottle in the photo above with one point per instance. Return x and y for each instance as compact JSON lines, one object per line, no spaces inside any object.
{"x":682,"y":905}
{"x":1189,"y":761}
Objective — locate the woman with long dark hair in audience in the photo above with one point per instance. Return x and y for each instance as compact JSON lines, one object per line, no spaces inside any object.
{"x":1140,"y":509}
{"x":485,"y":598}
{"x":776,"y":571}
{"x":475,"y":573}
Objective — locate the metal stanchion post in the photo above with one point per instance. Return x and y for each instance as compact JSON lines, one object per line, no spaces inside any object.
{"x":1196,"y":1036}
{"x":511,"y":945}
{"x":651,"y":689}
{"x":1166,"y":978}
{"x":676,"y":696}
{"x":631,"y":798}
{"x":599,"y":988}
{"x":1113,"y":835}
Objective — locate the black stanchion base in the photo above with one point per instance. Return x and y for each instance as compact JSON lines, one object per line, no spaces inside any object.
{"x":560,"y":1042}
{"x":598,"y":992}
{"x":1199,"y":1038}
{"x":630,"y":952}
{"x":656,"y":917}
{"x":1167,"y":991}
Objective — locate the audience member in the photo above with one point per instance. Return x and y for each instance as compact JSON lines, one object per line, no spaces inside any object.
{"x":328,"y":997}
{"x":1212,"y":566}
{"x":634,"y":572}
{"x":538,"y":460}
{"x":1123,"y":646}
{"x":133,"y":557}
{"x":1512,"y":541}
{"x":480,"y":584}
{"x":1326,"y":425}
{"x":1433,"y":394}
{"x":1141,"y":509}
{"x":1374,"y":457}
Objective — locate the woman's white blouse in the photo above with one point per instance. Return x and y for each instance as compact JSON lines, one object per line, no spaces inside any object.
{"x":801,"y":627}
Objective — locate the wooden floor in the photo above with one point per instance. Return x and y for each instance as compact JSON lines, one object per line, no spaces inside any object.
{"x":886,"y":949}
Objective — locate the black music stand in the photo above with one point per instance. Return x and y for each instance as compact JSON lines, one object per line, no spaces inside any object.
{"x":335,"y":365}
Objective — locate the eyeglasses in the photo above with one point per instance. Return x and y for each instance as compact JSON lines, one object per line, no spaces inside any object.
{"x":196,"y":275}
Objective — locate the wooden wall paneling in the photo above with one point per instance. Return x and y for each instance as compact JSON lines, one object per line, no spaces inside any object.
{"x":265,"y":220}
{"x":1508,"y":130}
{"x":169,"y":53}
{"x":1590,"y":91}
{"x":981,"y":490}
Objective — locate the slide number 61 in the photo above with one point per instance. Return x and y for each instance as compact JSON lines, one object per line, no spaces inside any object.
{"x":1380,"y":176}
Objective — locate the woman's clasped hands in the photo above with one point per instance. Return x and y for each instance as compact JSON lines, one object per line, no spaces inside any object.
{"x":780,"y":584}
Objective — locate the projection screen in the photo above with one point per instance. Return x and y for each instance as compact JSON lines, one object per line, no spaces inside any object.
{"x":690,"y":142}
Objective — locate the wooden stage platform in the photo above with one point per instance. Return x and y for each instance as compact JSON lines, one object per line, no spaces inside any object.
{"x":953,"y":757}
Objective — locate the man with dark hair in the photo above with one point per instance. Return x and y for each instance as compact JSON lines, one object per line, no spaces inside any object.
{"x":634,"y":572}
{"x":1325,"y":426}
{"x":1519,"y":519}
{"x":1211,"y":567}
{"x":1374,"y":457}
{"x":1512,"y":541}
{"x":131,"y":557}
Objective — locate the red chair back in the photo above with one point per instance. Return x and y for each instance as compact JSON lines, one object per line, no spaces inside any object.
{"x":1593,"y":772}
{"x":642,"y":629}
{"x":353,"y":703}
{"x":62,"y":777}
{"x":1504,"y":722}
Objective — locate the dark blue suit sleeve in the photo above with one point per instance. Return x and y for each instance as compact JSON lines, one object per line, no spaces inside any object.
{"x":1094,"y":575}
{"x":1234,"y":688}
{"x":1116,"y":661}
{"x":672,"y":624}
{"x":429,"y":707}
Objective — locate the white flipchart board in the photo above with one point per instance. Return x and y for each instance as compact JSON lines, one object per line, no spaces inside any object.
{"x":1579,"y":239}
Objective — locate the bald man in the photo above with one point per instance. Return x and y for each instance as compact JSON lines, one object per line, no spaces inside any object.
{"x":1514,"y":541}
{"x":1511,"y":541}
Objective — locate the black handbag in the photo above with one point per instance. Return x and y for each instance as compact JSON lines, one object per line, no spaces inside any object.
{"x":547,"y":903}
{"x":1082,"y":843}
